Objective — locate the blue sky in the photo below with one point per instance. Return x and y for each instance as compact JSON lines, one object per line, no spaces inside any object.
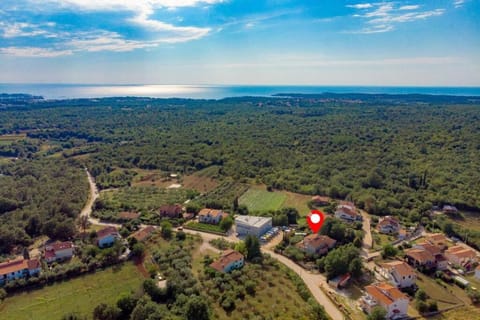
{"x":318,"y":42}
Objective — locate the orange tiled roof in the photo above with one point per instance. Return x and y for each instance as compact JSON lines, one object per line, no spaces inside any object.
{"x":461,"y":252}
{"x":384,"y":293}
{"x":433,"y":249}
{"x":142,"y":234}
{"x":212,"y":212}
{"x":421,"y":255}
{"x":59,"y":246}
{"x":227,"y":257}
{"x":402,"y":268}
{"x":18,"y":265}
{"x":106,"y":232}
{"x":316,"y":240}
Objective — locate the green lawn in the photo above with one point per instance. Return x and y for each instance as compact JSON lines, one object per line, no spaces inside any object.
{"x":79,"y":295}
{"x":204,"y":227}
{"x":445,"y":297}
{"x":262,"y":200}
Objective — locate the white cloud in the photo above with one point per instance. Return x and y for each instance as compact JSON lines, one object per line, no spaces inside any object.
{"x":105,"y":41}
{"x":409,"y":7}
{"x":360,"y":5}
{"x":458,"y":3}
{"x":23,"y":29}
{"x":384,"y":16}
{"x":34,"y":52}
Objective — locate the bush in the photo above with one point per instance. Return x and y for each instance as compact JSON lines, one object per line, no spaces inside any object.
{"x":421,"y":306}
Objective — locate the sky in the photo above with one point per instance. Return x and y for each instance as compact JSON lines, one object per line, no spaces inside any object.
{"x":255,"y":42}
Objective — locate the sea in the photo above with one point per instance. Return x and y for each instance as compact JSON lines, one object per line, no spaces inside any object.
{"x":73,"y":91}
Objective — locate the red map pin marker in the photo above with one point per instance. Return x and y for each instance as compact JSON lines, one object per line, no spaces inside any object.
{"x":315,"y":220}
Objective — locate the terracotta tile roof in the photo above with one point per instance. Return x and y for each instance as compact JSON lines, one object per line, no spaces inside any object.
{"x":347,"y":210}
{"x":461,"y":252}
{"x":128,"y":215}
{"x":320,"y":199}
{"x":384,"y":293}
{"x":433,"y":249}
{"x":389,"y":220}
{"x":106,"y":232}
{"x":142,"y":234}
{"x":170,"y":209}
{"x":212,"y":212}
{"x":227,"y":257}
{"x":437,"y":238}
{"x":18,"y":265}
{"x":318,"y":241}
{"x":59,"y":246}
{"x":421,"y":255}
{"x":401,"y":268}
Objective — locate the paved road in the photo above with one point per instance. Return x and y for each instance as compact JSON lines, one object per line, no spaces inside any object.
{"x":313,"y":281}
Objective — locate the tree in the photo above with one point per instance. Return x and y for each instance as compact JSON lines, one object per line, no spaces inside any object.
{"x":126,"y":303}
{"x":138,"y":250}
{"x":3,"y":294}
{"x":355,"y":267}
{"x":421,"y":295}
{"x":34,"y":226}
{"x":252,"y":245}
{"x":166,"y":230}
{"x":378,"y":313}
{"x":83,"y":223}
{"x":389,"y":251}
{"x":106,"y":312}
{"x":181,"y":235}
{"x":226,"y":223}
{"x":197,"y":309}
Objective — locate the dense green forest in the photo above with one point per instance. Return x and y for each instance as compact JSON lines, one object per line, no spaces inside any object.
{"x":39,"y":197}
{"x":392,"y":155}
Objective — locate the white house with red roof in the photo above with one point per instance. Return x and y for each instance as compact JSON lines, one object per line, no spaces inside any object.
{"x":388,"y":225}
{"x":211,"y":216}
{"x":398,"y":273}
{"x":58,"y":251}
{"x":18,"y":269}
{"x":348,"y":212}
{"x":228,"y":261}
{"x":386,"y":296}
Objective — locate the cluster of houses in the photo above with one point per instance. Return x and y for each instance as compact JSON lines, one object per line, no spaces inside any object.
{"x":21,"y":268}
{"x":434,"y":254}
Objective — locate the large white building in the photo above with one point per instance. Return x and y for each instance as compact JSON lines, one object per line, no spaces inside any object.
{"x":256,"y":226}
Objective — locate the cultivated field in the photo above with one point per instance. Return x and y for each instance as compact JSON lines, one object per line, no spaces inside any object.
{"x":203,"y":180}
{"x":79,"y":295}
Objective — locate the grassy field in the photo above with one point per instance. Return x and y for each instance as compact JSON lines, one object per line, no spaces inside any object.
{"x":257,"y":199}
{"x":470,"y":220}
{"x":445,"y":298}
{"x":461,"y":313}
{"x":7,"y":139}
{"x":204,"y":227}
{"x":79,"y":295}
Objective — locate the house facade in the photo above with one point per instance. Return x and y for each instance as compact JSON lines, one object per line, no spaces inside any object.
{"x":316,"y":244}
{"x":58,"y":251}
{"x":228,"y":261}
{"x":18,"y":269}
{"x":211,"y":216}
{"x":386,"y":296}
{"x":107,"y":236}
{"x":388,"y":225}
{"x":399,"y":273}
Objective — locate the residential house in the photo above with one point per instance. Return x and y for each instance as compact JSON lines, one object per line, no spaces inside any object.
{"x":228,"y":261}
{"x":441,"y":262}
{"x":211,"y":216}
{"x":321,"y":200}
{"x":449,"y":209}
{"x":460,"y":256}
{"x":58,"y":251}
{"x":420,"y":258}
{"x":143,"y":234}
{"x":386,"y":296}
{"x":438,"y":239}
{"x":18,"y":269}
{"x":316,"y":244}
{"x":171,"y":211}
{"x":388,"y":225}
{"x":347,"y":212}
{"x":107,"y":236}
{"x":399,"y":273}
